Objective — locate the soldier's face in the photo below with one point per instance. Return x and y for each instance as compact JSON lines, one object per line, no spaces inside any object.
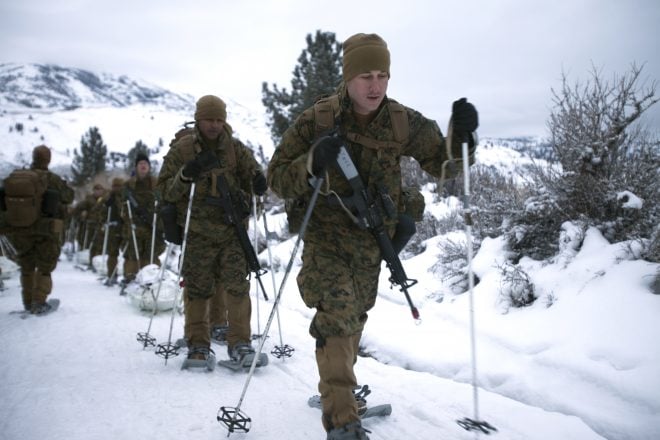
{"x":211,"y":128}
{"x":367,"y":91}
{"x":142,"y":169}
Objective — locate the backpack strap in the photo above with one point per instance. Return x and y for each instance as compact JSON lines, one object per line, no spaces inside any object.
{"x":326,"y":111}
{"x":400,"y":124}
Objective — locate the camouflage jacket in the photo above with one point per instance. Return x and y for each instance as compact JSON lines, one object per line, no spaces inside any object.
{"x":94,"y":209}
{"x":66,"y":192}
{"x":238,"y":166}
{"x":141,"y":193}
{"x":379,"y":167}
{"x":113,"y":200}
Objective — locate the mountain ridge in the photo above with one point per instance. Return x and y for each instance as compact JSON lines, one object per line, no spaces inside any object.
{"x":53,"y":87}
{"x":55,"y":105}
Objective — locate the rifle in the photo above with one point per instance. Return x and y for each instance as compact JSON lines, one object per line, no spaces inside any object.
{"x":139,"y":210}
{"x":232,"y":218}
{"x":369,"y":217}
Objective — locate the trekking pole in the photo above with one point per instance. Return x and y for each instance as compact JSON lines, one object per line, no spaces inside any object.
{"x":114,"y":271}
{"x":233,"y":418}
{"x":282,"y":350}
{"x":105,"y":237}
{"x":133,"y":227}
{"x":153,"y":232}
{"x":145,"y":338}
{"x":256,"y":248}
{"x":169,"y":350}
{"x":467,"y":423}
{"x":85,"y":235}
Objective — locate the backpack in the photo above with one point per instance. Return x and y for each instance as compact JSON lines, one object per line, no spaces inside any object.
{"x":325,"y":112}
{"x":23,"y":197}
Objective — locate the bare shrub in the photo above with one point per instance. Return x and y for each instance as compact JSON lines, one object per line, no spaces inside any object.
{"x":604,"y":152}
{"x":516,"y":289}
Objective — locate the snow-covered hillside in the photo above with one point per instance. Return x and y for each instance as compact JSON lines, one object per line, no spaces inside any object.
{"x":52,"y":87}
{"x":56,"y":106}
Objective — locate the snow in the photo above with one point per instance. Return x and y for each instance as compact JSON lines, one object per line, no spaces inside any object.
{"x":120,"y":127}
{"x":630,"y":200}
{"x":582,"y":362}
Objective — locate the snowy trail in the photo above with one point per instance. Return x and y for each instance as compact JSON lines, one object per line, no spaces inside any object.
{"x":80,"y":373}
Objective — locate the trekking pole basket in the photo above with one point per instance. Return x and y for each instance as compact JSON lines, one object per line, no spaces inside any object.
{"x":233,"y":419}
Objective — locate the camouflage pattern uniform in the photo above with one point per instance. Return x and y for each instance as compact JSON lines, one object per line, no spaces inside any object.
{"x":341,"y":262}
{"x":114,"y":203}
{"x":144,"y":192}
{"x":96,"y":218}
{"x":38,"y":246}
{"x":79,"y":214}
{"x":213,"y":255}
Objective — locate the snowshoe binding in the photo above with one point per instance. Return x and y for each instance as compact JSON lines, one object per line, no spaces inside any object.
{"x":364,"y":411}
{"x":241,"y":357}
{"x":199,"y":357}
{"x":45,"y":308}
{"x":351,"y":431}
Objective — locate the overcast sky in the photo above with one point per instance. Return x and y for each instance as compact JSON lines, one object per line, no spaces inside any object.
{"x":505,"y":56}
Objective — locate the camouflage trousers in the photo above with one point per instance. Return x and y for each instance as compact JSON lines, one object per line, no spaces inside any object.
{"x":143,"y":238}
{"x":37,"y":257}
{"x":339,"y":277}
{"x":211,"y":267}
{"x":114,"y":244}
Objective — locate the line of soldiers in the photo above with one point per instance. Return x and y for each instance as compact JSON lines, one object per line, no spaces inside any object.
{"x":341,"y":257}
{"x":127,"y":212}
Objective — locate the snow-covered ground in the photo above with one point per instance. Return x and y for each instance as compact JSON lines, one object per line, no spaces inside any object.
{"x":583,"y":362}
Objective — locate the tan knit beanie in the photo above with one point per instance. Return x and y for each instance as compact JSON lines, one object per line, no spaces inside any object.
{"x":41,"y":157}
{"x":364,"y":53}
{"x":210,"y":107}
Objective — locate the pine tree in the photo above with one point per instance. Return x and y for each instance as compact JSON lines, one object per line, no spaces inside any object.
{"x":140,"y":147}
{"x":318,"y":73}
{"x":91,"y":159}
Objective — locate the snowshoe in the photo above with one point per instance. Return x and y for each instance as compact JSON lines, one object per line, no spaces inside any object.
{"x":122,"y":287}
{"x":364,"y":411}
{"x":199,"y":357}
{"x":242,"y":356}
{"x":110,"y":281}
{"x":351,"y":431}
{"x":219,"y":334}
{"x":181,"y":342}
{"x":48,"y":307}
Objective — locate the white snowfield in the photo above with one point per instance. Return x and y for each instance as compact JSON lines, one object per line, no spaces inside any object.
{"x":587,"y":367}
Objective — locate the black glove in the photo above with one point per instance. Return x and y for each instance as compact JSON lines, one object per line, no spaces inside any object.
{"x":143,"y":215}
{"x":464,"y":119}
{"x":204,"y":161}
{"x":325,"y":153}
{"x":110,"y":202}
{"x":259,"y":184}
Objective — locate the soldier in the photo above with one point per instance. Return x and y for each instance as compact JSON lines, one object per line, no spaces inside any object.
{"x":96,"y":219}
{"x":38,"y":245}
{"x":113,"y":202}
{"x":140,"y":191}
{"x":213,"y":255}
{"x":92,"y":213}
{"x":341,"y":262}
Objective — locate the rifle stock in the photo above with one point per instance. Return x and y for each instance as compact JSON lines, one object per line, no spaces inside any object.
{"x":232,"y":218}
{"x":369,"y":217}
